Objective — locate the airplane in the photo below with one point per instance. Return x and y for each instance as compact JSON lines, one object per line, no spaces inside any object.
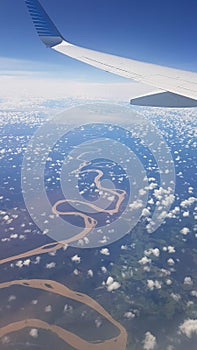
{"x":174,"y":87}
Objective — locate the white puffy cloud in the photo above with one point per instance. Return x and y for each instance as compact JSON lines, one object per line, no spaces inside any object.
{"x":188,"y":281}
{"x":185,"y":230}
{"x":149,"y":341}
{"x":171,"y":249}
{"x":103,"y":269}
{"x":111,"y":284}
{"x":189,"y":327}
{"x":154,"y":251}
{"x":37,"y":260}
{"x":188,"y":202}
{"x":48,"y":308}
{"x":124,"y":247}
{"x":157,"y":284}
{"x":14,"y":235}
{"x":145,"y":212}
{"x":109,"y":280}
{"x":136,"y":205}
{"x":153,"y":284}
{"x":170,"y":262}
{"x":144,"y":260}
{"x":129,"y":315}
{"x":90,"y":273}
{"x":27,"y":262}
{"x":186,"y":213}
{"x":76,"y":258}
{"x":11,"y":298}
{"x":168,"y":282}
{"x":6,"y":217}
{"x":175,"y":296}
{"x":33,"y":333}
{"x":50,"y":265}
{"x":150,"y":284}
{"x":19,"y":263}
{"x":68,"y":308}
{"x":105,"y":251}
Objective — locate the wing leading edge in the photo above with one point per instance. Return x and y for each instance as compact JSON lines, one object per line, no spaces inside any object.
{"x":175,"y":88}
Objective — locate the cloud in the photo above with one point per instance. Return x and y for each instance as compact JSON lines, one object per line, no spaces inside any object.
{"x":103,"y":269}
{"x":98,"y":322}
{"x":194,"y":293}
{"x":50,"y":265}
{"x":154,"y":251}
{"x":23,"y":78}
{"x":19,"y":263}
{"x":76,"y":258}
{"x":188,"y":281}
{"x":171,"y":249}
{"x":175,"y":296}
{"x":33,"y":333}
{"x":20,"y":67}
{"x":109,"y":280}
{"x":187,"y":202}
{"x":153,"y":284}
{"x":11,"y":298}
{"x":129,"y":315}
{"x":48,"y":308}
{"x":149,"y":341}
{"x":188,"y":327}
{"x":90,"y":273}
{"x":185,"y":230}
{"x":150,"y":284}
{"x":168,"y":282}
{"x":111,"y":284}
{"x":29,"y":85}
{"x":115,"y":285}
{"x":27,"y":262}
{"x":144,"y":260}
{"x":105,"y":251}
{"x":170,"y":262}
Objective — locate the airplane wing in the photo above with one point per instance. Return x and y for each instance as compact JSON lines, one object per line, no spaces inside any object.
{"x":175,"y":88}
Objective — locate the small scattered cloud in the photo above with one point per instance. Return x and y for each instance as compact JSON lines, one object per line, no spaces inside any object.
{"x":188,"y":281}
{"x":189,"y":327}
{"x":184,"y":231}
{"x":51,"y":265}
{"x":48,"y":308}
{"x":149,"y":341}
{"x":111,"y":284}
{"x":76,"y":258}
{"x":33,"y":333}
{"x":105,"y":251}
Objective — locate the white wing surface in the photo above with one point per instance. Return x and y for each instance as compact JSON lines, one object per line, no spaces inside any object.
{"x":176,"y":88}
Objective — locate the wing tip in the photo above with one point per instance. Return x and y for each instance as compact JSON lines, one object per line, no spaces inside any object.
{"x":44,"y":26}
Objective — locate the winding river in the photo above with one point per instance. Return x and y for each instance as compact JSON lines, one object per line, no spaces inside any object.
{"x":116,"y":343}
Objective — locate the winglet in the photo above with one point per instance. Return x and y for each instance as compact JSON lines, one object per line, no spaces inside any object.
{"x":45,"y":28}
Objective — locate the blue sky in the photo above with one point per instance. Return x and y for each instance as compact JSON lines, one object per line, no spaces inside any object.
{"x":162,"y":32}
